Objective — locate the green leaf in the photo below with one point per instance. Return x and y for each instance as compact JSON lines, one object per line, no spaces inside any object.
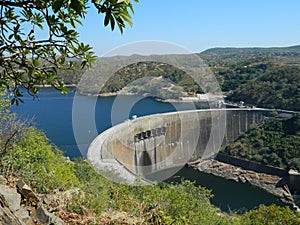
{"x":57,"y":5}
{"x":30,"y":72}
{"x":36,"y":62}
{"x":34,"y":90}
{"x":73,"y":24}
{"x":106,"y":19}
{"x":20,"y":100}
{"x":13,"y":101}
{"x":112,"y":23}
{"x":77,"y":6}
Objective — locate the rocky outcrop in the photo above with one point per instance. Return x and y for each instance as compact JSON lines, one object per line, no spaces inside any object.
{"x":273,"y":184}
{"x":13,"y":211}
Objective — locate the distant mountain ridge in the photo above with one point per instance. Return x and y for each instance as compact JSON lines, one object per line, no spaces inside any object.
{"x":255,"y":50}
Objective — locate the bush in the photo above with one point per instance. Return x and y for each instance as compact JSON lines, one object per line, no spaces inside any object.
{"x":182,"y":203}
{"x":39,"y":163}
{"x":96,"y":189}
{"x":269,"y":215}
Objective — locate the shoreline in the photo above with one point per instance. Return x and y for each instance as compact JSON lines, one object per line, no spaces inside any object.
{"x":122,"y":93}
{"x":271,"y":183}
{"x":50,"y":86}
{"x":168,"y":100}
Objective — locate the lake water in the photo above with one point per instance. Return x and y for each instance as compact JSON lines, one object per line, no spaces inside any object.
{"x":53,"y":114}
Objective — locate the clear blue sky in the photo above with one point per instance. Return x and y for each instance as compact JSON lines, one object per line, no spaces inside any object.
{"x":201,"y":24}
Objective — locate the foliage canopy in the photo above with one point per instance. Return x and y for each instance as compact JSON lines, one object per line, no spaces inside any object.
{"x":39,"y":37}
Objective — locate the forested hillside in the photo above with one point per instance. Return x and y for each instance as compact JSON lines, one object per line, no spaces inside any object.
{"x":140,"y":70}
{"x":264,"y":85}
{"x":274,"y":143}
{"x":279,"y":51}
{"x":262,"y":77}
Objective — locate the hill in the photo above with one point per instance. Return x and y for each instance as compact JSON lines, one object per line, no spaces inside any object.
{"x":264,"y":85}
{"x":264,"y":77}
{"x":292,"y":50}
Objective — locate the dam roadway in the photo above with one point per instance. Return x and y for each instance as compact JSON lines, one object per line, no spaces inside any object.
{"x":157,"y":143}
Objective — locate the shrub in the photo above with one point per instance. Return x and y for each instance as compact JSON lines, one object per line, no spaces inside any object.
{"x":265,"y":215}
{"x":182,"y":203}
{"x":96,"y":190}
{"x":39,"y":163}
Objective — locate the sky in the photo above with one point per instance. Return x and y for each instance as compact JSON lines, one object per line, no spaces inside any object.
{"x":198,"y":25}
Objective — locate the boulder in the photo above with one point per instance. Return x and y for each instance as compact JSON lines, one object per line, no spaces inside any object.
{"x":47,"y":218}
{"x":27,"y":192}
{"x":10,"y":198}
{"x":7,"y":217}
{"x":11,"y":211}
{"x":242,"y":179}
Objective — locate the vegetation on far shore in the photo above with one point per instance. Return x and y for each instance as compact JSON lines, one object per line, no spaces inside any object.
{"x":261,"y":77}
{"x":268,"y":85}
{"x":276,"y":143}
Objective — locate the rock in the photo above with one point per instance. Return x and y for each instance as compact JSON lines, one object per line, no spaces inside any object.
{"x":43,"y":215}
{"x":236,"y":173}
{"x":49,"y":200}
{"x":10,"y":210}
{"x":249,"y":179}
{"x":267,"y":180}
{"x":253,"y":175}
{"x":288,"y":196}
{"x":47,"y":218}
{"x":7,"y":217}
{"x":242,"y":179}
{"x":234,"y":179}
{"x":23,"y":215}
{"x":10,"y":197}
{"x":27,"y":192}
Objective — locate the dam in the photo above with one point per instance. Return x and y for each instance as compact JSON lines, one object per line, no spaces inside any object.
{"x":165,"y":142}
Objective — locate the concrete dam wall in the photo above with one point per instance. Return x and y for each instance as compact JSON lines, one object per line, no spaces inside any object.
{"x":151,"y":144}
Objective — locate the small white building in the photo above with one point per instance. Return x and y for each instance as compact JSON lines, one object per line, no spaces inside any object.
{"x":208,"y":97}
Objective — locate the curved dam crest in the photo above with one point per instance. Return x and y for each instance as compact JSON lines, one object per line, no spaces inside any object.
{"x":165,"y":142}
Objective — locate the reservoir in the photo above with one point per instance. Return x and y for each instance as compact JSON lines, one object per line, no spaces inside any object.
{"x":52,"y":113}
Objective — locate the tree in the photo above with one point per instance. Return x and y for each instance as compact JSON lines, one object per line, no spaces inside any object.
{"x":27,"y":60}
